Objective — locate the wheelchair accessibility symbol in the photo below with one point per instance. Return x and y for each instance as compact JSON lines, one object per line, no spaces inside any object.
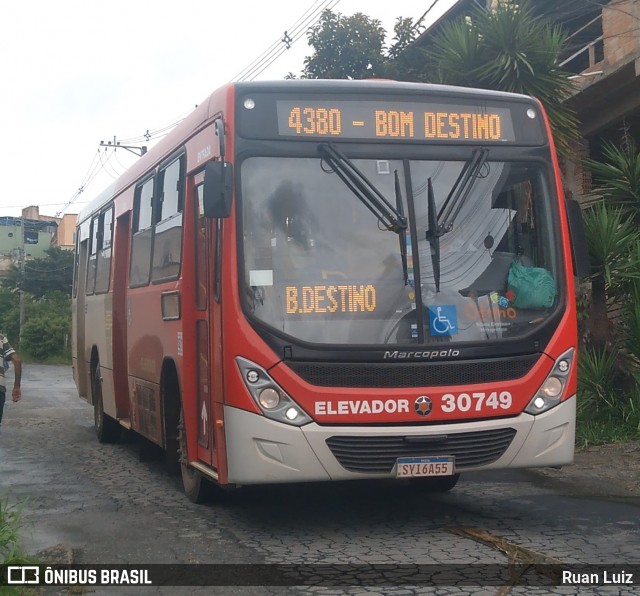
{"x":443,"y":320}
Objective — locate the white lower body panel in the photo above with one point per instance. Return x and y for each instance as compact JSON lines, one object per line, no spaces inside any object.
{"x":261,"y":451}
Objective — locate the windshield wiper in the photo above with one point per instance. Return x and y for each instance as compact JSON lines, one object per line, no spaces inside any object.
{"x":401,"y":237}
{"x":433,"y":234}
{"x":440,"y":224}
{"x":461,"y":189}
{"x":387,"y":215}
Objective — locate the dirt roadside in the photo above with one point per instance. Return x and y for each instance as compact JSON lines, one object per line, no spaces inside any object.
{"x":601,"y":471}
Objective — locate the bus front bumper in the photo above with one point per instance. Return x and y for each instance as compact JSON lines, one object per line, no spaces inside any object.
{"x":261,"y":451}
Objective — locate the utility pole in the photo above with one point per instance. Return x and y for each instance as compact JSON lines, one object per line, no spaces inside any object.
{"x":21,"y":257}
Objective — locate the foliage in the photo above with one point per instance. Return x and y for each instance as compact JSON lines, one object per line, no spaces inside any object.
{"x":10,"y":524}
{"x":609,"y":374}
{"x":608,"y":406}
{"x":611,"y":238}
{"x":47,"y":330}
{"x":404,"y":59}
{"x":618,"y":177}
{"x":47,"y":274}
{"x":597,"y":373}
{"x":507,"y":49}
{"x":631,"y":317}
{"x":46,"y":285}
{"x":10,"y":315}
{"x":354,"y":48}
{"x":345,"y":47}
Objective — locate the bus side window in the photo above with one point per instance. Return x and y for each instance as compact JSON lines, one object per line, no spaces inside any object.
{"x":167,"y":245}
{"x":142,"y":235}
{"x":103,"y":266}
{"x":93,"y":257}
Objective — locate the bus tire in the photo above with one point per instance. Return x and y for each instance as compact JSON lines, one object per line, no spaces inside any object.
{"x":436,"y":484}
{"x":197,"y":488}
{"x":107,"y":429}
{"x":171,"y":407}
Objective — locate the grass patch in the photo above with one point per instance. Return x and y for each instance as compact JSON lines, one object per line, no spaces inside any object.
{"x":615,"y":419}
{"x":10,"y":552}
{"x":608,"y":408}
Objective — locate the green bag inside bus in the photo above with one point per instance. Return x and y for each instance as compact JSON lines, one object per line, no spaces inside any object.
{"x":533,"y":287}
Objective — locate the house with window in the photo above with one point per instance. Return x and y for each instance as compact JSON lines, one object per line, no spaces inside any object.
{"x":30,"y":235}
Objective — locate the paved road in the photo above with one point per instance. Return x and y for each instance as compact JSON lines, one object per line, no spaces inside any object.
{"x":112,"y":508}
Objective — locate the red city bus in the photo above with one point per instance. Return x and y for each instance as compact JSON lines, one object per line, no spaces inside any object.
{"x":333,"y":280}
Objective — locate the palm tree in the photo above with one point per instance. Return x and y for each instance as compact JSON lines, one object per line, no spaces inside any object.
{"x":508,"y":49}
{"x":613,"y":237}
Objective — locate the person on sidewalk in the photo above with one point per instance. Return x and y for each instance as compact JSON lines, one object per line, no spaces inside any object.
{"x":9,"y":354}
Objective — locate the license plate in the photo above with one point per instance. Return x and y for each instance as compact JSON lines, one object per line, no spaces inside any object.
{"x":415,"y":467}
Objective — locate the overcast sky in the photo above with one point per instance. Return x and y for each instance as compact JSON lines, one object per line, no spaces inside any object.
{"x":77,"y":72}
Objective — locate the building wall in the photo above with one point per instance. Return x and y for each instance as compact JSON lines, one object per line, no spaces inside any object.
{"x":65,"y":238}
{"x":620,"y":20}
{"x":32,"y":234}
{"x":15,"y":241}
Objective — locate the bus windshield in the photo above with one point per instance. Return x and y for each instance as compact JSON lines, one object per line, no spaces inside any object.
{"x":320,"y":267}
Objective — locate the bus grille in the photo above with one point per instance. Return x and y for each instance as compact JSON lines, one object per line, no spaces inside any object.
{"x":379,"y":454}
{"x":414,"y":374}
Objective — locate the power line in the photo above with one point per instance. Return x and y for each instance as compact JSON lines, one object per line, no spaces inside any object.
{"x":274,"y":46}
{"x":254,"y":69}
{"x":309,"y":18}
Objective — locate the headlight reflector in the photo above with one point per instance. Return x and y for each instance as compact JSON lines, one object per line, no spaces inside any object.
{"x":552,"y":387}
{"x":552,"y":390}
{"x":269,"y":398}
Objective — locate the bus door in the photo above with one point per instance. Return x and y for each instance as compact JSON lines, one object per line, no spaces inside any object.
{"x":207,"y":333}
{"x":120,"y":283}
{"x":80,"y":280}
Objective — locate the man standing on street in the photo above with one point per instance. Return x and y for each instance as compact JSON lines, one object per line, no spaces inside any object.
{"x":8,"y":353}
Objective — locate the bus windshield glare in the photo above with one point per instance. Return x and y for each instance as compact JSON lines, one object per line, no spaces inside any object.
{"x":320,"y":267}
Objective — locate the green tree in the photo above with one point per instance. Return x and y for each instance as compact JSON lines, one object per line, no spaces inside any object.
{"x":404,"y":59}
{"x":345,"y":47}
{"x":10,"y":314}
{"x":507,"y":49}
{"x":354,"y":48}
{"x":46,"y":274}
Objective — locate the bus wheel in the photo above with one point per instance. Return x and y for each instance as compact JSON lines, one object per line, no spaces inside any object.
{"x":107,"y":429}
{"x":196,"y":486}
{"x":436,"y":484}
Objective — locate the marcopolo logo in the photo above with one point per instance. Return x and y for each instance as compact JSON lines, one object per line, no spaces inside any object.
{"x":421,"y":355}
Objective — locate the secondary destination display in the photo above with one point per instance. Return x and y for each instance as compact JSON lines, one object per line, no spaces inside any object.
{"x":394,"y":120}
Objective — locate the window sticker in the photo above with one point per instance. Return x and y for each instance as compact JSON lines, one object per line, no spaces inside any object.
{"x":443,"y":320}
{"x":261,"y":277}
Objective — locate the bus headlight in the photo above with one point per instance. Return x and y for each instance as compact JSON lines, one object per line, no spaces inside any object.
{"x":552,"y":390}
{"x":272,"y":400}
{"x":269,"y":398}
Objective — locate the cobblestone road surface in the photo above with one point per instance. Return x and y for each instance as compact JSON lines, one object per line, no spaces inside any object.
{"x":112,"y":508}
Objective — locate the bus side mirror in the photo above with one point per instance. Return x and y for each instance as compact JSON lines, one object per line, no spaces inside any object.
{"x":579,"y":248}
{"x":218,"y":189}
